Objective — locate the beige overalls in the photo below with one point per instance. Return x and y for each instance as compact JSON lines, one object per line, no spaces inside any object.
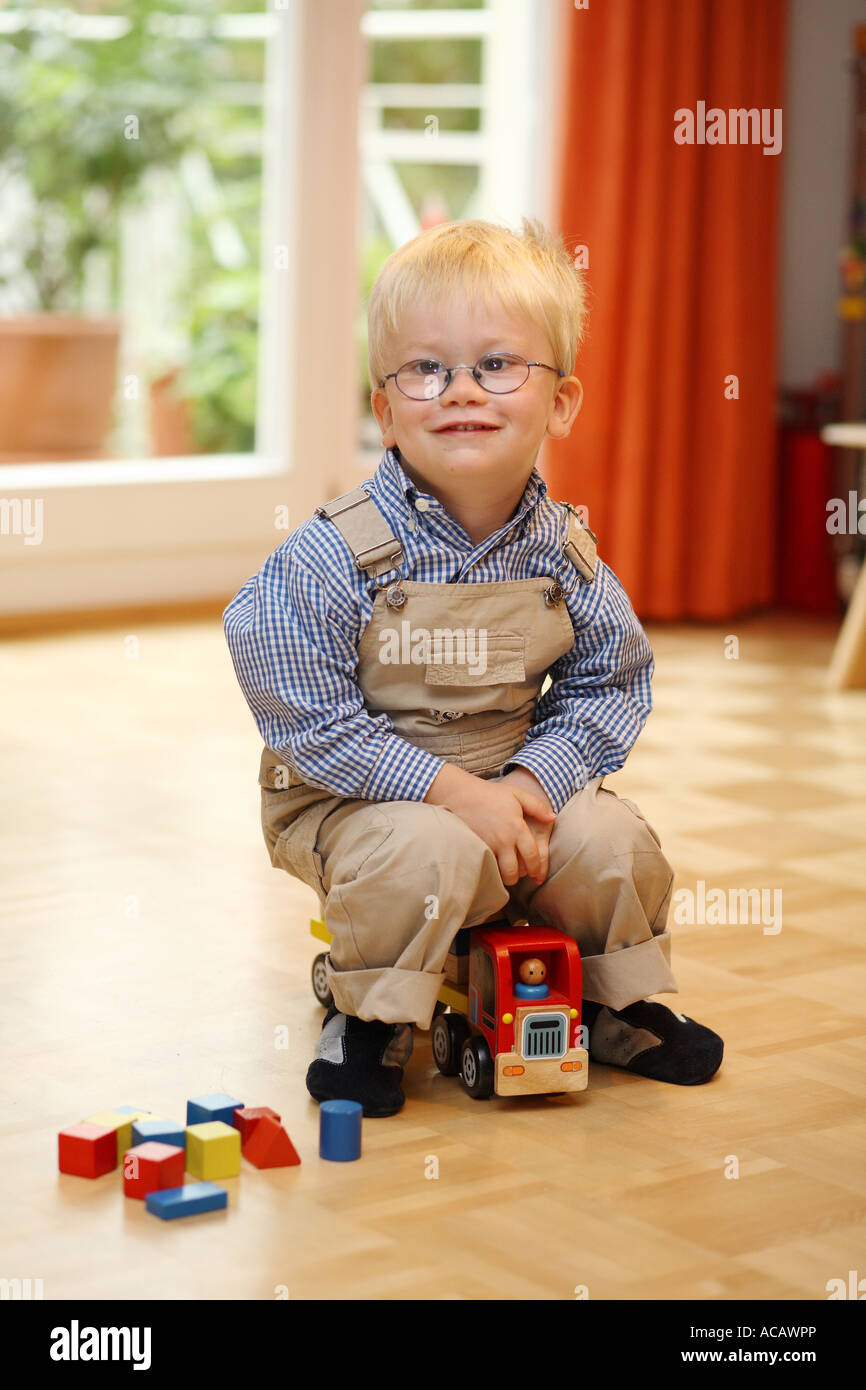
{"x":398,"y":879}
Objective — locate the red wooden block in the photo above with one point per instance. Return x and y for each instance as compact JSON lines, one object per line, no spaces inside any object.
{"x":246,"y":1118}
{"x":87,"y":1150}
{"x":269,"y":1146}
{"x":151,"y":1167}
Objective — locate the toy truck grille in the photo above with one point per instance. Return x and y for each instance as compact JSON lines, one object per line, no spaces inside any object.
{"x":544,"y":1035}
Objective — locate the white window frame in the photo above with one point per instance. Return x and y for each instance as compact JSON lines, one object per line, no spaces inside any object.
{"x":169,"y":531}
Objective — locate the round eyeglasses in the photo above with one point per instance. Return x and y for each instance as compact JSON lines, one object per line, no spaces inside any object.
{"x":500,"y":372}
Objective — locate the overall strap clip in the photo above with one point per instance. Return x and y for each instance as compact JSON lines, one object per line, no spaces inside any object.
{"x":580,"y":545}
{"x":375,"y":548}
{"x":580,"y":551}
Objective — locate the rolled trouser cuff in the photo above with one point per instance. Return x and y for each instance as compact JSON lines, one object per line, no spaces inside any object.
{"x":388,"y":994}
{"x":620,"y":978}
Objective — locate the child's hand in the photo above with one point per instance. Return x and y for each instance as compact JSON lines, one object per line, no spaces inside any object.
{"x":497,"y":811}
{"x":541,"y":829}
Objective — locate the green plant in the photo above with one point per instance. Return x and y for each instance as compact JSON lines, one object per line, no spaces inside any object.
{"x":83,"y":118}
{"x":219,"y":376}
{"x":221,"y":314}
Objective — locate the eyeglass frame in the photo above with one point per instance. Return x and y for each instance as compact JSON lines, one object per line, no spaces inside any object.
{"x":449,"y":374}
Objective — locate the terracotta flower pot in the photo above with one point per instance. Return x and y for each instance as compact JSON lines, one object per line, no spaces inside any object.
{"x":170,"y":425}
{"x":58,"y":377}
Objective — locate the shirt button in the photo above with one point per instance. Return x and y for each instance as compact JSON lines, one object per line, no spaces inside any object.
{"x":422,"y":504}
{"x":412,"y":524}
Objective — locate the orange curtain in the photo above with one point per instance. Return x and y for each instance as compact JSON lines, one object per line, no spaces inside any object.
{"x":683,"y":248}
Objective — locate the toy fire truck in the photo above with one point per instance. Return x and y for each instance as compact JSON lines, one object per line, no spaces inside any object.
{"x":508,"y":1015}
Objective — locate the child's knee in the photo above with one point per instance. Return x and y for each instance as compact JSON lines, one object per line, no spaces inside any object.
{"x":422,"y":835}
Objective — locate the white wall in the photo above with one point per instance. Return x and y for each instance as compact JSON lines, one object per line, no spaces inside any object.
{"x":816,"y":171}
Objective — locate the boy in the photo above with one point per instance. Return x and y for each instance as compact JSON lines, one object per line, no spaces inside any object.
{"x":393,"y":650}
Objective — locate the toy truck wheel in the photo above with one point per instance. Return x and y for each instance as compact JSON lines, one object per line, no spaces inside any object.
{"x":476,"y":1068}
{"x":321,"y":988}
{"x":450,"y":1031}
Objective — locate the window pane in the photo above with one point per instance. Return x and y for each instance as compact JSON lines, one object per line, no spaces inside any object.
{"x":430,"y":84}
{"x":130,"y":199}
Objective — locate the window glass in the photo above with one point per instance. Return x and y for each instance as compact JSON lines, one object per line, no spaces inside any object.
{"x":421,"y":118}
{"x":131,"y":139}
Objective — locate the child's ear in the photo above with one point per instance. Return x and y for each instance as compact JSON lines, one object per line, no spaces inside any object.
{"x":566,"y":407}
{"x":384,"y":416}
{"x":379,"y":404}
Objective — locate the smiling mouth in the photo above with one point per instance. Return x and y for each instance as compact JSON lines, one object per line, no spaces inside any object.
{"x":467,"y":429}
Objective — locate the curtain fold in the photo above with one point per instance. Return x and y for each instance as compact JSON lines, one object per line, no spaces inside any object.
{"x":683,"y":255}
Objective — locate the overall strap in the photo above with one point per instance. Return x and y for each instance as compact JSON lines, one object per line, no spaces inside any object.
{"x":377,"y":550}
{"x":366,"y":532}
{"x":580,"y":545}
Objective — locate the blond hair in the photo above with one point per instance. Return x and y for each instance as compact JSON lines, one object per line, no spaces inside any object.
{"x":531,"y":275}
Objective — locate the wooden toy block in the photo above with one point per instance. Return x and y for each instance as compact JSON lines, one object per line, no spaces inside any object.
{"x":149,"y":1167}
{"x":186,"y":1201}
{"x":213,"y":1150}
{"x":247,"y":1117}
{"x":340,"y":1130}
{"x":121,"y":1121}
{"x":202,"y":1109}
{"x":269,"y":1146}
{"x":160,"y":1131}
{"x":87,"y":1150}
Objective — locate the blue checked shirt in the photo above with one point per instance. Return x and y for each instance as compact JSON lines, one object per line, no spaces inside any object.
{"x":294,"y":628}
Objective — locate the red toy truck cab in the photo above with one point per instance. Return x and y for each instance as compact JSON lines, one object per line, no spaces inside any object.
{"x":514,"y":1026}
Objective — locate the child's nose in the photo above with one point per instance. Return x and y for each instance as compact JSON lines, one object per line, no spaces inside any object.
{"x":463,"y":383}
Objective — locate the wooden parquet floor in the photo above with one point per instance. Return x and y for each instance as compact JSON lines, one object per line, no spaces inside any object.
{"x":150,"y":953}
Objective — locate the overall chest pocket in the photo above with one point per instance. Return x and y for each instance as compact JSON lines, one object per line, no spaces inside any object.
{"x":475,"y":656}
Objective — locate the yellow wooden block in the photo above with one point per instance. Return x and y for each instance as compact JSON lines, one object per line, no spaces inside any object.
{"x":213,"y":1150}
{"x":121,"y":1121}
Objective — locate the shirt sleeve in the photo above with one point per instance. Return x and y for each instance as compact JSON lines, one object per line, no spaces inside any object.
{"x":294,"y":650}
{"x":600,"y":697}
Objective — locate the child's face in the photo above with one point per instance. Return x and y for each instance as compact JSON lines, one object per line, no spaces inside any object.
{"x":502,"y":457}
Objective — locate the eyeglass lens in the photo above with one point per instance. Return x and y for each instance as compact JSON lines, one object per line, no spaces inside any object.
{"x":425,"y":378}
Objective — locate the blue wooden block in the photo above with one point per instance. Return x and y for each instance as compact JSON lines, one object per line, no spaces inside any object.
{"x":159,"y":1131}
{"x":186,"y":1201}
{"x":340,"y":1130}
{"x":201,"y":1109}
{"x":128,"y":1109}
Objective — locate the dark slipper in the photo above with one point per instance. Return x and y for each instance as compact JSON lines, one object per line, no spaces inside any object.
{"x":652,"y":1041}
{"x":362,"y":1061}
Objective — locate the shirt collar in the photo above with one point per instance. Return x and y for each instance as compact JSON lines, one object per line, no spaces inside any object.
{"x":402,"y":491}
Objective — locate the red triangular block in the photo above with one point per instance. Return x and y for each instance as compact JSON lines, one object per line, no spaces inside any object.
{"x":246,"y":1117}
{"x":269,"y":1146}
